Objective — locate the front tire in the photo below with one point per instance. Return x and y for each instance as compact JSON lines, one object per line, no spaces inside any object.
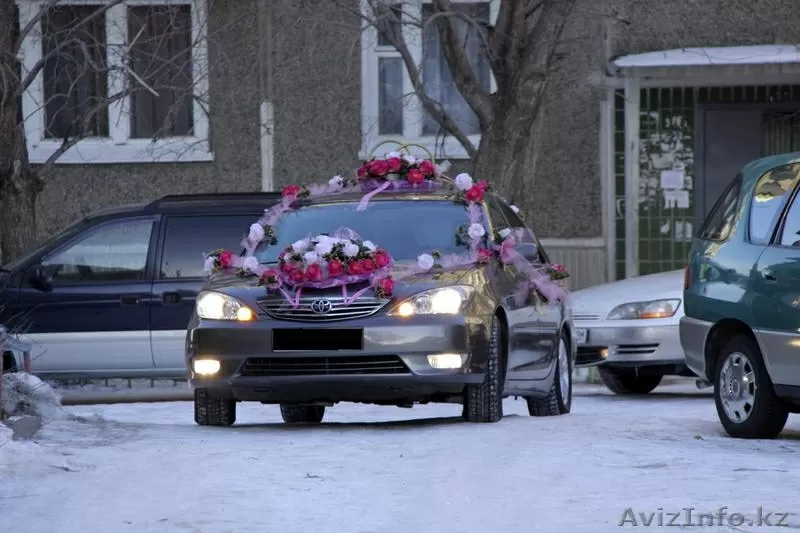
{"x":743,"y":392}
{"x":302,"y":414}
{"x":620,"y":382}
{"x":559,"y":400}
{"x":484,"y":403}
{"x":210,"y":411}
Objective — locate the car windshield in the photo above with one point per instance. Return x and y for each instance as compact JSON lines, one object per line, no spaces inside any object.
{"x":405,"y":228}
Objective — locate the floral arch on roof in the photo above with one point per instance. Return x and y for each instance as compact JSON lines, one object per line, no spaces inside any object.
{"x":341,"y":258}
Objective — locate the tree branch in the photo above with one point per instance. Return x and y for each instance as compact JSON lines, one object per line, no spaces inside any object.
{"x":467,"y":83}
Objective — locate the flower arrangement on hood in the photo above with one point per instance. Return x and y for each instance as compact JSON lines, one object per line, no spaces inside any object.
{"x":344,"y":258}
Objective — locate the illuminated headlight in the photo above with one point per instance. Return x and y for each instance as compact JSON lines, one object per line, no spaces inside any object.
{"x":444,"y":301}
{"x":638,"y":310}
{"x":206,"y":367}
{"x":218,"y":306}
{"x":446,"y":361}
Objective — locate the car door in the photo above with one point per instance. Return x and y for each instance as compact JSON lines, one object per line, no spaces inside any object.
{"x":522,"y":330}
{"x":775,"y":285}
{"x":538,"y":326}
{"x":92,"y":315}
{"x":180,"y":276}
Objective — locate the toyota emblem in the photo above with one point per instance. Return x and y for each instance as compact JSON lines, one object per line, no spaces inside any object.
{"x":321,"y":307}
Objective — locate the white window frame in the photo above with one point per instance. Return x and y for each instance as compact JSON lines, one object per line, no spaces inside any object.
{"x":449,"y":148}
{"x":119,"y":147}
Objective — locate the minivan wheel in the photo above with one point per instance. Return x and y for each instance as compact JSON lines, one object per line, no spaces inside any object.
{"x":627,"y":382}
{"x":484,"y":402}
{"x":559,"y":400}
{"x":210,"y":411}
{"x":302,"y":414}
{"x":743,"y":392}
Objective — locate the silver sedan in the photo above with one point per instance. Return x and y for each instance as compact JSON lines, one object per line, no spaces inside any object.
{"x":628,"y":329}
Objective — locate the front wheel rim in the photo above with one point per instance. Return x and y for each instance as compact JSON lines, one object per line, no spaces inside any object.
{"x":563,"y":367}
{"x":737,"y":387}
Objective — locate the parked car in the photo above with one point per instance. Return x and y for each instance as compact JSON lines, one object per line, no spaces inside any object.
{"x":455,"y":336}
{"x":629,"y":330}
{"x":742,"y":299}
{"x":111,"y":295}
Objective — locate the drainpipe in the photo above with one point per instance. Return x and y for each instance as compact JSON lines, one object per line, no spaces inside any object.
{"x":266,"y":114}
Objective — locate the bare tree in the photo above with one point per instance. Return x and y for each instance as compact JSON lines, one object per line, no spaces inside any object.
{"x":88,"y":76}
{"x":519,"y":49}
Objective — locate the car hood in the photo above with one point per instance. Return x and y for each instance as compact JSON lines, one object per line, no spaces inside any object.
{"x":247,"y":290}
{"x":603,"y":298}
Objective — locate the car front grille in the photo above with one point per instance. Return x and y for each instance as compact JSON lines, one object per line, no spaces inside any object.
{"x":323,"y":366}
{"x":278,"y":307}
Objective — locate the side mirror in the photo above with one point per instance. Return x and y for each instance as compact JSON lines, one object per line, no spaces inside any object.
{"x":41,"y":278}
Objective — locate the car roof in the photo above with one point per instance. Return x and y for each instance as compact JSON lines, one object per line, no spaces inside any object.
{"x":752,"y":171}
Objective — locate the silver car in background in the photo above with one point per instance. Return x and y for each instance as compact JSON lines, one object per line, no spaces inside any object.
{"x":628,"y":329}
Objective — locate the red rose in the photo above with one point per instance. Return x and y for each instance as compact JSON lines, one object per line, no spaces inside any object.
{"x":414,"y":176}
{"x":298,"y":276}
{"x":335,"y":268}
{"x":225,"y":259}
{"x":368,"y":265}
{"x":314,"y":272}
{"x":355,"y":268}
{"x":482,"y":185}
{"x":484,"y":254}
{"x":558,"y":267}
{"x":474,"y":194}
{"x":291,"y":190}
{"x":394,"y":164}
{"x":378,"y":168}
{"x":381,"y":258}
{"x":363,"y":170}
{"x":426,"y":167}
{"x":386,"y":286}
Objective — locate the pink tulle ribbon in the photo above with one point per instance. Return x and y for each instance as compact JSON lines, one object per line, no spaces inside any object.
{"x":350,"y":299}
{"x":362,"y":205}
{"x":293,"y":301}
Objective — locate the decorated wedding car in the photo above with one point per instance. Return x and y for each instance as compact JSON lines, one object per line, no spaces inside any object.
{"x":396,"y":286}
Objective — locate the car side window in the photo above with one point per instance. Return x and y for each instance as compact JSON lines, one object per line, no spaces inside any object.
{"x":187,"y":238}
{"x":769,"y":197}
{"x":113,"y":253}
{"x":719,"y":222}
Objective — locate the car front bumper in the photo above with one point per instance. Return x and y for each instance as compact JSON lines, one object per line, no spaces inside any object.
{"x":634,"y":344}
{"x":392,"y":364}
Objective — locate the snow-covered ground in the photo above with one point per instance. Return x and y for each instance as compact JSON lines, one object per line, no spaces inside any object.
{"x":612,"y":463}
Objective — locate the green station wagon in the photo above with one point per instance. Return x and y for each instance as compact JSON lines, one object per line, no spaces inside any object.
{"x":741,"y":331}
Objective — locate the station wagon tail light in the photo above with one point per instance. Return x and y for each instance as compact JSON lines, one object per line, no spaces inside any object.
{"x":643,"y":310}
{"x":443,"y":301}
{"x":212,"y":305}
{"x":687,"y":278}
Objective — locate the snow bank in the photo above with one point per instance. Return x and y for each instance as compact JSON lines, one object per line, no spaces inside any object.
{"x":25,"y":394}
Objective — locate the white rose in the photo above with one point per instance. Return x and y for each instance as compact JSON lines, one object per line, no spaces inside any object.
{"x":323,"y":248}
{"x":336,"y":181}
{"x":410,"y":159}
{"x":310,"y":257}
{"x":390,"y":155}
{"x":256,"y":233}
{"x":209,"y":265}
{"x":515,"y":208}
{"x":369,"y":245}
{"x":504,"y":232}
{"x":463,"y":181}
{"x":250,"y":264}
{"x":351,"y":250}
{"x":476,"y":231}
{"x":425,"y":261}
{"x":300,"y":246}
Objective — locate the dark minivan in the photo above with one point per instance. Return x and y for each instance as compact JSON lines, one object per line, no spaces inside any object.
{"x":111,"y":296}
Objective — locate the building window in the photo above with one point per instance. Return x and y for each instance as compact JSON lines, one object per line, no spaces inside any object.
{"x":389,"y":108}
{"x":128,"y":82}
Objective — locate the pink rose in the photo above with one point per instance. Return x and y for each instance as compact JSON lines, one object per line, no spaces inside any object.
{"x":355,"y":268}
{"x":225,"y":259}
{"x":335,"y":268}
{"x":291,"y":190}
{"x":386,"y":286}
{"x":485,"y":255}
{"x":426,"y":167}
{"x":368,"y":265}
{"x":381,"y":258}
{"x":414,"y":176}
{"x":394,"y":164}
{"x":298,"y":276}
{"x":314,"y":273}
{"x":378,"y":168}
{"x":474,"y":194}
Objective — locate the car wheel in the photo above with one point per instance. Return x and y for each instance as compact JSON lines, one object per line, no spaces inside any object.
{"x":622,"y":382}
{"x":559,"y":400}
{"x":210,"y":411}
{"x":302,"y":414}
{"x":743,"y":392}
{"x":484,"y":402}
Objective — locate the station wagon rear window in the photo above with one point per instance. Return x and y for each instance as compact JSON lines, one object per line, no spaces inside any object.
{"x":406,"y":228}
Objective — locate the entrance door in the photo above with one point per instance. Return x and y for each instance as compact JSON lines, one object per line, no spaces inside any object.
{"x":728,"y":139}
